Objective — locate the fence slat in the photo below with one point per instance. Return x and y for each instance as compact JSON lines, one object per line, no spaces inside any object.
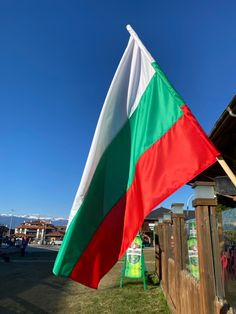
{"x":207,"y":281}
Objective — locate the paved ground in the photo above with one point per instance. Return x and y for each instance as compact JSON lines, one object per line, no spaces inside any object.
{"x":28,"y":286}
{"x":38,"y":248}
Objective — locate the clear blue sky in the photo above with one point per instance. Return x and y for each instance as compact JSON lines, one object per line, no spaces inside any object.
{"x":57,"y":59}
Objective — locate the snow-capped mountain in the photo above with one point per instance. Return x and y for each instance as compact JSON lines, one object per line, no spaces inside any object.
{"x":15,"y":220}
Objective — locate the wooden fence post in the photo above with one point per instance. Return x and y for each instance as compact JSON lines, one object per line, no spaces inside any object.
{"x":165,"y":255}
{"x":216,"y":254}
{"x":158,"y":249}
{"x":178,"y":225}
{"x":205,"y":249}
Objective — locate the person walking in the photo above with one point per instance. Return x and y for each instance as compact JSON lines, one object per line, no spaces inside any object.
{"x":24,"y":244}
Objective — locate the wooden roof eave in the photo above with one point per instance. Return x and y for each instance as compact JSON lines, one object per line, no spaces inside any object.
{"x":223,"y":136}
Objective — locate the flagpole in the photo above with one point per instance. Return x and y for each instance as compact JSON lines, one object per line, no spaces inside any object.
{"x":227,"y":169}
{"x":139,"y":42}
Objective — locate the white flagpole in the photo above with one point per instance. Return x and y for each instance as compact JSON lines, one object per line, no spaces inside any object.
{"x":138,"y":41}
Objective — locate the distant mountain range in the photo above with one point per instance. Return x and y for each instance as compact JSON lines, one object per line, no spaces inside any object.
{"x":16,"y":220}
{"x":229,"y":219}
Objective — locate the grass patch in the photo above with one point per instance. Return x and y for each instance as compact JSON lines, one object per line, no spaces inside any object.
{"x":130,"y":299}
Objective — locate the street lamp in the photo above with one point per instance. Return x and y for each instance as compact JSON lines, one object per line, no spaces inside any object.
{"x":187,"y":203}
{"x":44,"y":235}
{"x":9,"y":233}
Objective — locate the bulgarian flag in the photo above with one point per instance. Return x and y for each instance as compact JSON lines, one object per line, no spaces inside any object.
{"x":147,"y":145}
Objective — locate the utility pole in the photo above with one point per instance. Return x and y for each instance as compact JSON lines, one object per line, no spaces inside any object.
{"x":9,"y":233}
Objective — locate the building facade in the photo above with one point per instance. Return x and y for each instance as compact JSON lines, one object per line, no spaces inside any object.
{"x":35,"y":230}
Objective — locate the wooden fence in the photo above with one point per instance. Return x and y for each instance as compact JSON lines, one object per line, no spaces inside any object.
{"x":184,"y":293}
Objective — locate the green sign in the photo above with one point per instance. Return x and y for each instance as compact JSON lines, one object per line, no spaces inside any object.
{"x":133,"y":265}
{"x":192,"y":249}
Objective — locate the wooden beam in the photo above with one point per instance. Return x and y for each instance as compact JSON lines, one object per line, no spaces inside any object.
{"x":227,"y":170}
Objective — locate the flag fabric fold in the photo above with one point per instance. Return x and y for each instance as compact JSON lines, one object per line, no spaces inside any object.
{"x":147,"y":144}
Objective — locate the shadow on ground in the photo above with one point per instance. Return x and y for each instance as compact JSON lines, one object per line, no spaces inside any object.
{"x":28,"y":286}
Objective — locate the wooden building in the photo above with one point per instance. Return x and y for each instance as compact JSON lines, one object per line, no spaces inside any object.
{"x":156,"y":215}
{"x":223,"y":135}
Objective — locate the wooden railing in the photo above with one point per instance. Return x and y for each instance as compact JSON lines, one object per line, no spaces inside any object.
{"x":184,"y":293}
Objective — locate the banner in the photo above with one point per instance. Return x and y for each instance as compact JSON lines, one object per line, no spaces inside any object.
{"x":133,"y":265}
{"x":192,"y":248}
